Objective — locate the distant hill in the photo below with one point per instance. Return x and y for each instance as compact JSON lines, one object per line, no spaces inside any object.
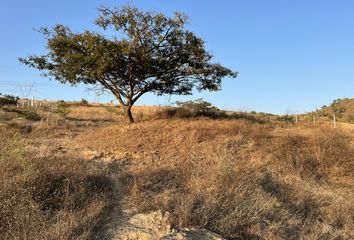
{"x":343,"y":109}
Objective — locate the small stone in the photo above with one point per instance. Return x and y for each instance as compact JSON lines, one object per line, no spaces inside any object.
{"x":91,"y":154}
{"x":155,"y":226}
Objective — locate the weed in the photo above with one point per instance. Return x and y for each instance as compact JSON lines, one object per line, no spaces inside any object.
{"x":26,"y":114}
{"x":63,"y":109}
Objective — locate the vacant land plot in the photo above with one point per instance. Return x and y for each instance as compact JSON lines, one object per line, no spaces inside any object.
{"x":242,"y":179}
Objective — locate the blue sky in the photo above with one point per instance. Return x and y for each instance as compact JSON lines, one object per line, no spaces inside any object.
{"x":293,"y":56}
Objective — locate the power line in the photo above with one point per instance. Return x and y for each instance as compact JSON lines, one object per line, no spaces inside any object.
{"x":8,"y":90}
{"x":25,"y":89}
{"x":11,"y":83}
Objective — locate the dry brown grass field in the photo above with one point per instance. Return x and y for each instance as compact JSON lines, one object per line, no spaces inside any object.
{"x":66,"y":174}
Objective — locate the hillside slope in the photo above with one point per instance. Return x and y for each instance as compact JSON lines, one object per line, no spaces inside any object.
{"x":343,"y":109}
{"x":241,"y":179}
{"x":78,"y":172}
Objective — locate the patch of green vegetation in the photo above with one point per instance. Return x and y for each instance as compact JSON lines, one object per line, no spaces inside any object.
{"x":336,"y":107}
{"x":28,"y":115}
{"x":8,"y":100}
{"x":286,"y":118}
{"x":84,"y":102}
{"x":198,"y":105}
{"x":63,"y":109}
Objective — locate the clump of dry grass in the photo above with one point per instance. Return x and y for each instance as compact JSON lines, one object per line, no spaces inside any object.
{"x":241,"y":179}
{"x":48,"y":198}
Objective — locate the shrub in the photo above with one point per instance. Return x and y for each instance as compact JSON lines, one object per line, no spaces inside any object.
{"x":180,"y":112}
{"x":63,"y":109}
{"x":84,"y":102}
{"x":191,"y":109}
{"x":198,"y":106}
{"x":28,"y":115}
{"x":8,"y":100}
{"x":286,"y":118}
{"x":22,"y":128}
{"x":336,"y":107}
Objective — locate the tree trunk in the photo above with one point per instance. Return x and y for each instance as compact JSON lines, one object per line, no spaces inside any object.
{"x":129,"y":114}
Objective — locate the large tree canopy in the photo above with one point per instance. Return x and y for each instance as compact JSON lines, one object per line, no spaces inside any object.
{"x":148,"y":52}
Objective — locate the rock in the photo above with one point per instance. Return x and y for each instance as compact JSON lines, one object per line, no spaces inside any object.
{"x":62,"y":149}
{"x":58,"y":149}
{"x":90,"y":154}
{"x":149,"y":226}
{"x":120,"y":154}
{"x":192,"y":234}
{"x":155,"y":226}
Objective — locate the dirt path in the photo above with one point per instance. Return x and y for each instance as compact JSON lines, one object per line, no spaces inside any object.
{"x":118,"y":222}
{"x":123,"y":223}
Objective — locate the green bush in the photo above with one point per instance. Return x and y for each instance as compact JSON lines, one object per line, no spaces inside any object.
{"x":8,"y":100}
{"x":337,"y":109}
{"x":198,"y":105}
{"x":63,"y":109}
{"x":286,"y":118}
{"x":28,"y":115}
{"x":84,"y":102}
{"x":201,"y":108}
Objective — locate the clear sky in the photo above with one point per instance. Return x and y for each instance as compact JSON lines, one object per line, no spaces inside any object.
{"x":293,"y":56}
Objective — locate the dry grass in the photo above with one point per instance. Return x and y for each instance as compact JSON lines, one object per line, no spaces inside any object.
{"x":93,"y":113}
{"x":46,"y":195}
{"x":241,"y":179}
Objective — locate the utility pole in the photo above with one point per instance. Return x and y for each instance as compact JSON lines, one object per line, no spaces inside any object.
{"x":334,"y":121}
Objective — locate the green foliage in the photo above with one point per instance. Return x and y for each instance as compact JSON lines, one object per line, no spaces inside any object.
{"x":28,"y":115}
{"x":63,"y":109}
{"x":8,"y":100}
{"x":150,"y":53}
{"x":84,"y":102}
{"x":286,"y":118}
{"x":201,"y":108}
{"x":196,"y":108}
{"x":336,"y":108}
{"x":198,"y":105}
{"x":323,"y":113}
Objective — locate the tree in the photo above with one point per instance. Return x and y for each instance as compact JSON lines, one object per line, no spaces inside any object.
{"x":148,"y":52}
